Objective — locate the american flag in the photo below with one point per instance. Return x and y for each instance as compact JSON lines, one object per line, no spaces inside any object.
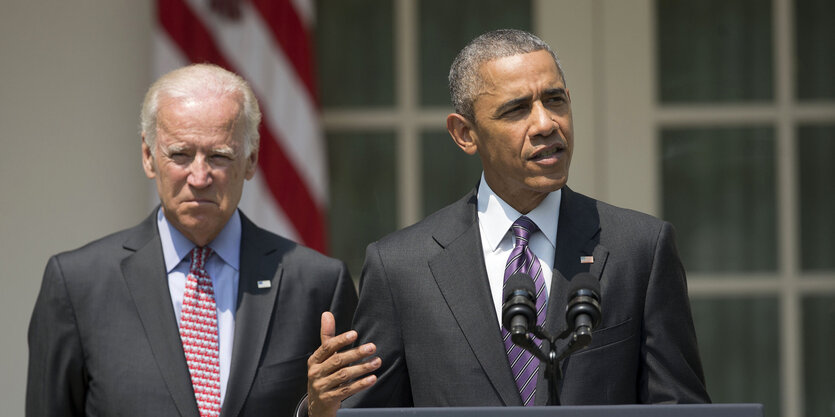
{"x":269,"y":43}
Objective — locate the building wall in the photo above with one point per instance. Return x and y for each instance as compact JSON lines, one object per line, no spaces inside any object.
{"x":73,"y":76}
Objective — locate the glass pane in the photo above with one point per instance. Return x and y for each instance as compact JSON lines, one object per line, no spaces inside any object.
{"x":446,"y":26}
{"x":714,"y":50}
{"x":739,"y":344}
{"x":448,"y":172}
{"x":814,"y":44}
{"x":819,"y":363}
{"x":816,"y":152}
{"x":718,"y":189}
{"x":362,"y":193}
{"x":354,"y":52}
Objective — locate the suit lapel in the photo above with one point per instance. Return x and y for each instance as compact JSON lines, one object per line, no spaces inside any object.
{"x":259,"y":262}
{"x":461,"y":276}
{"x":578,"y":235}
{"x":146,"y":279}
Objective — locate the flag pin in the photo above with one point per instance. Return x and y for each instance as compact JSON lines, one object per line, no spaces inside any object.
{"x":587,"y":259}
{"x":264,"y":284}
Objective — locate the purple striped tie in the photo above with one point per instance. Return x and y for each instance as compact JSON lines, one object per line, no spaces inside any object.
{"x":525,"y":366}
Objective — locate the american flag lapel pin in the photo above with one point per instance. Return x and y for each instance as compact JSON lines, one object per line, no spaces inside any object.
{"x":587,"y":259}
{"x":264,"y":284}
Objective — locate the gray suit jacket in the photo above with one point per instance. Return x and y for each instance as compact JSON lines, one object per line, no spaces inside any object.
{"x":425,"y":301}
{"x":103,"y":339}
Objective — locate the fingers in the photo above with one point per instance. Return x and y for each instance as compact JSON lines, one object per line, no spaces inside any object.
{"x":331,"y":344}
{"x":332,"y":375}
{"x":345,"y":382}
{"x":343,"y":367}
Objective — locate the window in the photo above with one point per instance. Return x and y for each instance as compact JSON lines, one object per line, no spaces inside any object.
{"x":383,"y":68}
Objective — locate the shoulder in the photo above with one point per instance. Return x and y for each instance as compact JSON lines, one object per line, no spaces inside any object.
{"x":609,"y":215}
{"x":288,"y":253}
{"x":618,"y":227}
{"x":110,"y":248}
{"x":437,"y":229}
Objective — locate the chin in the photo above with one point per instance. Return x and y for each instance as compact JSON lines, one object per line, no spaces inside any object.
{"x":547,"y":184}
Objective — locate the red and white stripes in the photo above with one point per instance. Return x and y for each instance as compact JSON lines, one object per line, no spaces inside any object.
{"x":269,"y":44}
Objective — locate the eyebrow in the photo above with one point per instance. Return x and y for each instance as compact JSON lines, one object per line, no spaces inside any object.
{"x":551,"y":92}
{"x":174,"y":149}
{"x":224,"y":150}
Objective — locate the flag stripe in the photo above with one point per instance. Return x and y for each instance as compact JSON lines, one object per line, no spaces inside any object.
{"x":289,"y":31}
{"x":198,"y":40}
{"x":288,"y":189}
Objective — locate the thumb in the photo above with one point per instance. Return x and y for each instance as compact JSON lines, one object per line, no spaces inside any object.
{"x":328,"y":329}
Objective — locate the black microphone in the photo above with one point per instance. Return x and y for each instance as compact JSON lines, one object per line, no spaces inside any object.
{"x":519,"y":308}
{"x":583,"y":309}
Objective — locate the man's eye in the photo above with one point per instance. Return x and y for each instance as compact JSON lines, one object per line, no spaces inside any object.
{"x":515,"y":110}
{"x":555,"y":99}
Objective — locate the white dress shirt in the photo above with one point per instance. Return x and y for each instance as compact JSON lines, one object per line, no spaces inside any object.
{"x":494,"y":220}
{"x":223,"y":268}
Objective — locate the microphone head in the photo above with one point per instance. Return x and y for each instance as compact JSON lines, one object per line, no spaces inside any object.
{"x":519,"y":308}
{"x":584,"y":301}
{"x":585,"y":282}
{"x":519,"y":282}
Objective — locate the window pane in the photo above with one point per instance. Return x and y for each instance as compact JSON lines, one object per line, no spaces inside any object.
{"x":362,"y":193}
{"x":738,"y":342}
{"x":714,"y":50}
{"x":354,"y":59}
{"x":819,"y":363}
{"x":446,"y":26}
{"x":814,"y":44}
{"x":718,"y":188}
{"x":448,"y":172}
{"x":816,"y":152}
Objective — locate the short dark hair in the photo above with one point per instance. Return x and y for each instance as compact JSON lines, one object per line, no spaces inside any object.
{"x":464,"y":78}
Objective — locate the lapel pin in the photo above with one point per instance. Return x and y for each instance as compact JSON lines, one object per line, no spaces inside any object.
{"x":587,"y":259}
{"x":264,"y":284}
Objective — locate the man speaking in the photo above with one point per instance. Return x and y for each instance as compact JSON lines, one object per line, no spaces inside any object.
{"x":195,"y":311}
{"x":429,"y":312}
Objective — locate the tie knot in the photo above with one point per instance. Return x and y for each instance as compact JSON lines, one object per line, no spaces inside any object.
{"x":199,"y":256}
{"x":522,"y":229}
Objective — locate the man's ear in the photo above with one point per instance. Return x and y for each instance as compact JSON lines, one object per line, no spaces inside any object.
{"x":463,"y":133}
{"x":251,"y":164}
{"x":147,"y":159}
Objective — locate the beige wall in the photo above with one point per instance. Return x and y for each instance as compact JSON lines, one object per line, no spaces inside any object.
{"x":72,"y":75}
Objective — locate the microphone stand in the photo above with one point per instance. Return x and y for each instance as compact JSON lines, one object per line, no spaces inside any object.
{"x":579,"y":338}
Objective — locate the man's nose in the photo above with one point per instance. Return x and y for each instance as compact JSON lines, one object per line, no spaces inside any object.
{"x":542,"y":123}
{"x":200,"y":173}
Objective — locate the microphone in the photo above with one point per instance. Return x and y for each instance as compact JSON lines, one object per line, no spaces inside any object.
{"x":519,"y":308}
{"x":583,"y":309}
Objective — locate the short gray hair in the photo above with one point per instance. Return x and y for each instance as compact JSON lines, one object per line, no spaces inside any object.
{"x":464,"y":78}
{"x":200,"y":80}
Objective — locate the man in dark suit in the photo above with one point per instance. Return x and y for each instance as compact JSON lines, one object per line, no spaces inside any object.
{"x":431,"y":294}
{"x":195,"y":311}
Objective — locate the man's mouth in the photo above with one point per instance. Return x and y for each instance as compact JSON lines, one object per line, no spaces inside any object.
{"x":547,"y":152}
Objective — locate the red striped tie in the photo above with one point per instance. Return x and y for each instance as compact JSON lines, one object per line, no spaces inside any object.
{"x":198,"y":331}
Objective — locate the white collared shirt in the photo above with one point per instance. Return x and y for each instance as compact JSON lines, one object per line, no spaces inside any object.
{"x":494,"y":220}
{"x":223,"y":268}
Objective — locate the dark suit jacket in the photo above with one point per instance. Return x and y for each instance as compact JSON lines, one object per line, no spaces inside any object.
{"x":104,"y":341}
{"x":425,"y":301}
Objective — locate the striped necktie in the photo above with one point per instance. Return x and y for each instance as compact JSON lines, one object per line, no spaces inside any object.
{"x":524,"y":365}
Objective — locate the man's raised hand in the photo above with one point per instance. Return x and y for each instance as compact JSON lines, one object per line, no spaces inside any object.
{"x":333,"y":376}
